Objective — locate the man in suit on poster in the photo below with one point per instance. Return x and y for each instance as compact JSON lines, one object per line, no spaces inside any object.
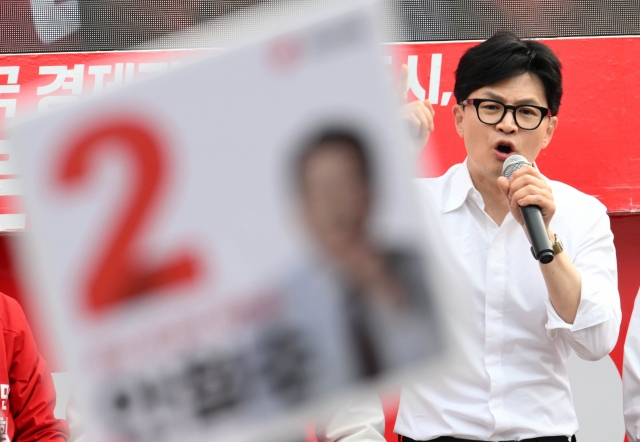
{"x":361,"y":305}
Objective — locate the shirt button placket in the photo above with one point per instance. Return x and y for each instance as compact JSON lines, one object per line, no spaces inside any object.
{"x":494,"y":326}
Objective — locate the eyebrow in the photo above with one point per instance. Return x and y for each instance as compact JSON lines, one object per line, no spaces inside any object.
{"x":492,"y":96}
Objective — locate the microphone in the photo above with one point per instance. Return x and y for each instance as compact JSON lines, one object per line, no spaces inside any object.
{"x":532,"y":215}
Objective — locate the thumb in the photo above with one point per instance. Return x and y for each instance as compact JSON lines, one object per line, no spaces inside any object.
{"x":504,"y":185}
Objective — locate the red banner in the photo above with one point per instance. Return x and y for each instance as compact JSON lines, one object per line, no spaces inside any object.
{"x":45,"y":81}
{"x":593,"y":148}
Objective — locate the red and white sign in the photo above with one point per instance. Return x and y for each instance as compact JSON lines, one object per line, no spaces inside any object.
{"x":593,"y":149}
{"x":177,"y":245}
{"x":39,"y":82}
{"x":36,"y":83}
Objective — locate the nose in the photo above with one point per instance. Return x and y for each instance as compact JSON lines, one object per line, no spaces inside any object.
{"x":508,"y":123}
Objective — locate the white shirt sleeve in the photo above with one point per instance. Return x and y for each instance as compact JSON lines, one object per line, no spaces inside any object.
{"x":594,"y":332}
{"x":631,"y":376}
{"x":359,"y":420}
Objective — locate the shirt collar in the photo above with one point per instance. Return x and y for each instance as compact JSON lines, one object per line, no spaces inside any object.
{"x":461,"y":185}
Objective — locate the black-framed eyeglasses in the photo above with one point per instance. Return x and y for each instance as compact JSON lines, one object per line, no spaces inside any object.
{"x":526,"y":116}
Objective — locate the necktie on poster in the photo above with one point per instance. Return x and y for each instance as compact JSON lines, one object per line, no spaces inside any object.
{"x":233,"y":241}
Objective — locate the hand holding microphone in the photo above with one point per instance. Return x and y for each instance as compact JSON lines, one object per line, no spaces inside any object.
{"x":531,"y":203}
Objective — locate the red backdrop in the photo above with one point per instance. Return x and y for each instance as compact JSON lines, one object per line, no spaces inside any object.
{"x":593,"y":149}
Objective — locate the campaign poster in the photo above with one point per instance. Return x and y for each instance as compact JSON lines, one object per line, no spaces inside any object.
{"x":227,"y":244}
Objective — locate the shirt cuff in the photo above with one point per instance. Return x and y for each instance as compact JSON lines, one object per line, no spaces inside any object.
{"x":594,"y":309}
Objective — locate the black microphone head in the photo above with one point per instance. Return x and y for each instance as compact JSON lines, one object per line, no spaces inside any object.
{"x":513,"y":163}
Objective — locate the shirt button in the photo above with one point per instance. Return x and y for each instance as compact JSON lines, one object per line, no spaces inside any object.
{"x":546,"y":326}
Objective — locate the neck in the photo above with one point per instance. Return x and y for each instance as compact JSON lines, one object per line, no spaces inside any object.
{"x":495,"y":204}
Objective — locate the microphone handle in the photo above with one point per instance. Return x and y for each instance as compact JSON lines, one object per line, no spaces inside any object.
{"x":542,"y":248}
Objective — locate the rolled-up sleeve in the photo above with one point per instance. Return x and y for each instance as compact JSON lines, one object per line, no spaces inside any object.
{"x":631,"y":376}
{"x":595,"y":330}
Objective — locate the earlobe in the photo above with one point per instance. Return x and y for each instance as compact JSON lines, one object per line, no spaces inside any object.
{"x":458,"y":116}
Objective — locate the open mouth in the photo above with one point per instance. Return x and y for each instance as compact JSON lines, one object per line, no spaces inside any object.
{"x":503,"y":149}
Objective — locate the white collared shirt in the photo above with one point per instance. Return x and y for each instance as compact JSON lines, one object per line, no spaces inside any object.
{"x":631,"y":376}
{"x":510,"y":380}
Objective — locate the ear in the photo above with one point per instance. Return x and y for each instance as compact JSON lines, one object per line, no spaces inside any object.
{"x":458,"y":116}
{"x":551,"y":127}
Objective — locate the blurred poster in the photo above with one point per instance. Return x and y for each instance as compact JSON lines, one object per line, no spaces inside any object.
{"x":232,"y":241}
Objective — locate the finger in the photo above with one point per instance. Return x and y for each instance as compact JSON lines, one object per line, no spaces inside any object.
{"x":532,"y":190}
{"x":429,"y":106}
{"x":415,"y":123}
{"x":428,"y":117}
{"x":403,"y":84}
{"x":425,"y":119}
{"x":527,"y":170}
{"x":432,"y":114}
{"x":503,"y":184}
{"x":540,"y":201}
{"x":410,"y":109}
{"x":417,"y":109}
{"x":527,"y":180}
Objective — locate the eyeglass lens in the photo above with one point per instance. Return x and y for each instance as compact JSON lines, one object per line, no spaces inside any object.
{"x":492,"y":112}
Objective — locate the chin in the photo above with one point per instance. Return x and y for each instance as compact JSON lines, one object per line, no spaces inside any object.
{"x":495,"y":169}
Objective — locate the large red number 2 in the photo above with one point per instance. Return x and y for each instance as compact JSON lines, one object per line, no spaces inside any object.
{"x":121,"y":273}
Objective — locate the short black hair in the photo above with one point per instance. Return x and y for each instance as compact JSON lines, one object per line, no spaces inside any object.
{"x":348,"y":140}
{"x":505,"y":56}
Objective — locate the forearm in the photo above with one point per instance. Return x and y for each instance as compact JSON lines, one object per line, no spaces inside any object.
{"x":564,"y":285}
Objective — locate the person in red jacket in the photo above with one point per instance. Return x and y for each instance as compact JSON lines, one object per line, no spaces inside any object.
{"x":27,"y":393}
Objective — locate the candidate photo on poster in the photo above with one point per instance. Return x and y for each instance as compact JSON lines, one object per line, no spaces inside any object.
{"x":360,"y":307}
